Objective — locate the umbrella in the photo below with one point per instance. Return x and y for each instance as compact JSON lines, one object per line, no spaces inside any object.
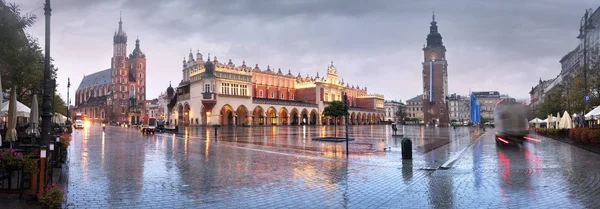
{"x":558,"y":120}
{"x":550,"y":121}
{"x":565,"y":121}
{"x":11,"y":134}
{"x":34,"y":116}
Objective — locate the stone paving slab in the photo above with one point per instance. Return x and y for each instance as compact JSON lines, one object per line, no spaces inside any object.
{"x":281,"y":167}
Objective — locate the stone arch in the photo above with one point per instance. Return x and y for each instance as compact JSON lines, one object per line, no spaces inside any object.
{"x":226,"y":115}
{"x":352,"y":118}
{"x":204,"y":115}
{"x":313,"y":117}
{"x":272,"y":116}
{"x":370,"y":119}
{"x":364,"y":119}
{"x":283,"y":116}
{"x":179,"y":114}
{"x":186,"y":113}
{"x":242,"y":116}
{"x":294,"y":117}
{"x":304,"y":117}
{"x":258,"y":116}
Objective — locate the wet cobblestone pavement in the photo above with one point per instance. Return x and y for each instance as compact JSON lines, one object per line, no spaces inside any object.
{"x":281,"y":167}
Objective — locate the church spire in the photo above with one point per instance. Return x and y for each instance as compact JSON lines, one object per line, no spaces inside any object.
{"x":434,"y":39}
{"x":120,"y":22}
{"x":120,"y":36}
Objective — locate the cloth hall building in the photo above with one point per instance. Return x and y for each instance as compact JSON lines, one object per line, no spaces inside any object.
{"x":218,"y":93}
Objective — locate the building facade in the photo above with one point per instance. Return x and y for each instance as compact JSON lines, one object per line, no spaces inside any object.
{"x":391,"y":108}
{"x":414,"y":108}
{"x":487,"y":100}
{"x":218,"y":93}
{"x":435,"y":79}
{"x":571,"y":62}
{"x":117,"y":94}
{"x":459,"y":108}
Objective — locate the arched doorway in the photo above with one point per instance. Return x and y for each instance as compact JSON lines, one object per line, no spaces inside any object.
{"x":258,"y":116}
{"x":313,"y":117}
{"x":295,"y":118}
{"x":186,"y":114}
{"x":226,"y":116}
{"x":304,"y":116}
{"x":271,"y":116}
{"x":242,"y":115}
{"x":205,"y":115}
{"x":363,"y":119}
{"x":353,"y":118}
{"x":283,"y":116}
{"x":179,"y":113}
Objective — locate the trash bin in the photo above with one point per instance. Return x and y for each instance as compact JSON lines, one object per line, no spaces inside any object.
{"x":406,"y":149}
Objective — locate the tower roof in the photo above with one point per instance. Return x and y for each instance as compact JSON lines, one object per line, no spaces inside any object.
{"x":137,"y":52}
{"x":120,"y":36}
{"x":434,"y":38}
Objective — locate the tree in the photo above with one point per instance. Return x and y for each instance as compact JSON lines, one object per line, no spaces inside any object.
{"x":401,"y":113}
{"x":21,"y":57}
{"x":335,"y":110}
{"x":552,"y":104}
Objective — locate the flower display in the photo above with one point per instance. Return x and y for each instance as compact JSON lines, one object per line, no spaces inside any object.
{"x":53,"y":196}
{"x":10,"y":159}
{"x":65,"y":139}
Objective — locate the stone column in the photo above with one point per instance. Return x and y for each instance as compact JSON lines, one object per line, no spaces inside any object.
{"x":289,"y":121}
{"x":343,"y":120}
{"x":250,"y":120}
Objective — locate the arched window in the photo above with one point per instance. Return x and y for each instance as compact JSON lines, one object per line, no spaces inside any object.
{"x":132,"y":91}
{"x":260,"y":93}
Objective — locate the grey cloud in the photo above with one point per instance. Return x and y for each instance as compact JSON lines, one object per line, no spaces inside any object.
{"x":373,"y":43}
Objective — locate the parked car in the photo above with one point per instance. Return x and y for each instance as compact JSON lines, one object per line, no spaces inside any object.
{"x":150,"y":127}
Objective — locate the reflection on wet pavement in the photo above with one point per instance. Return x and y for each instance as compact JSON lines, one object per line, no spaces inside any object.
{"x":254,"y":167}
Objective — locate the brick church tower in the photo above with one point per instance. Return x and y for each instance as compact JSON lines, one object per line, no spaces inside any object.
{"x":128,"y":76}
{"x":435,"y":79}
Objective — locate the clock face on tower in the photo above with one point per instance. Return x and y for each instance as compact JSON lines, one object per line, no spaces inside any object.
{"x":432,"y":55}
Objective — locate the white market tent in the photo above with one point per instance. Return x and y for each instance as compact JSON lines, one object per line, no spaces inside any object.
{"x":22,"y":110}
{"x":595,"y":113}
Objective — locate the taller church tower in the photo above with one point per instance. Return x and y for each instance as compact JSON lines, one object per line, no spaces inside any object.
{"x":435,"y":79}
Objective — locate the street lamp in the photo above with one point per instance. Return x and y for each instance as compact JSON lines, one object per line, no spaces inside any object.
{"x":68,"y":99}
{"x":47,"y":88}
{"x":584,"y":27}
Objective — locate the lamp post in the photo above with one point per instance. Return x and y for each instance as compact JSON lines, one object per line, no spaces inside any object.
{"x":584,"y":27}
{"x":46,"y":105}
{"x":68,"y":99}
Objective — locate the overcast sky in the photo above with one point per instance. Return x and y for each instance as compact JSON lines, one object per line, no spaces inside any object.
{"x":492,"y":45}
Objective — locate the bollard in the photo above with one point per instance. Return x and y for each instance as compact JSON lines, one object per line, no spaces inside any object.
{"x":215,"y":132}
{"x":406,"y":149}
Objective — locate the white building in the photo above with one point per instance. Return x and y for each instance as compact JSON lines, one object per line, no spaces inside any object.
{"x":391,"y":108}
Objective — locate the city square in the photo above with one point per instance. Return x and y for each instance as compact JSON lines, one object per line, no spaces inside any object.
{"x":282,"y":167}
{"x":258,"y":114}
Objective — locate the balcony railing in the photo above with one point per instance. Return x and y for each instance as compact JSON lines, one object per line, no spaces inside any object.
{"x":209,"y":96}
{"x":183,"y":96}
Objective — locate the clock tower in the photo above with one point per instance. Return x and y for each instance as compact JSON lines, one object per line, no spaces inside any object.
{"x":435,"y":79}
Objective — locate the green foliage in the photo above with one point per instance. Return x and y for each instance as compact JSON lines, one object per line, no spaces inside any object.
{"x":553,"y":103}
{"x":21,"y":57}
{"x":335,"y":109}
{"x":401,"y":113}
